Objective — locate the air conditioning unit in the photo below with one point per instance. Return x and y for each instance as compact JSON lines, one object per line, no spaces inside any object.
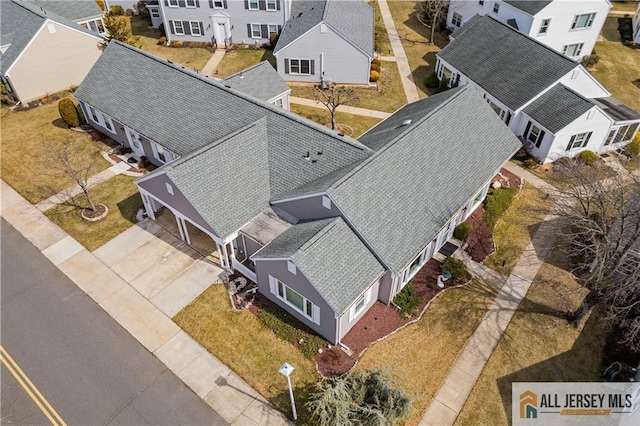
{"x":325,"y":83}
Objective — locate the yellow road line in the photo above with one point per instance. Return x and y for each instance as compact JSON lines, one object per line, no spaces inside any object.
{"x":30,"y":388}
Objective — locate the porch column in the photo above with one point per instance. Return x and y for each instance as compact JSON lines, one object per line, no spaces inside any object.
{"x":148,"y":206}
{"x":178,"y":220}
{"x":186,"y":231}
{"x":225,"y":257}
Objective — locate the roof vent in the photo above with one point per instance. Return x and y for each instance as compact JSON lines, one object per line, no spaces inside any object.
{"x":241,"y":75}
{"x":299,"y":14}
{"x":340,"y":134}
{"x":307,"y":157}
{"x":406,"y":122}
{"x":227,"y":86}
{"x":320,"y":152}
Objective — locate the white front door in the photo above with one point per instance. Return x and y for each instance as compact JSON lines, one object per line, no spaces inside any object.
{"x":134,"y":142}
{"x":221,"y":29}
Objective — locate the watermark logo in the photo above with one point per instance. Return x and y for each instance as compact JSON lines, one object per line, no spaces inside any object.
{"x":528,"y":405}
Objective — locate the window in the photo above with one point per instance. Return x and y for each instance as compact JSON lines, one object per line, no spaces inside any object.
{"x":253,"y":5}
{"x":94,"y":115}
{"x":579,"y":141}
{"x":361,"y":303}
{"x":101,"y":119}
{"x":108,"y":123}
{"x":278,"y":102}
{"x":612,"y":133}
{"x":497,"y":109}
{"x":255,"y":31}
{"x":481,"y":2}
{"x":534,"y":134}
{"x":457,"y":19}
{"x":300,"y":66}
{"x":272,"y":5}
{"x":161,"y":153}
{"x":191,"y":3}
{"x":177,"y":27}
{"x":155,"y":13}
{"x":544,"y":26}
{"x":273,"y":29}
{"x":572,"y":50}
{"x":496,"y":7}
{"x":218,"y":4}
{"x":625,"y":133}
{"x":583,"y":21}
{"x":295,"y":299}
{"x":173,"y":3}
{"x":629,"y":264}
{"x":195,"y":28}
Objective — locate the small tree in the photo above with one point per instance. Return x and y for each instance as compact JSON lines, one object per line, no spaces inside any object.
{"x":333,"y":97}
{"x":432,"y":14}
{"x":119,"y":27}
{"x":68,"y":112}
{"x":359,"y":398}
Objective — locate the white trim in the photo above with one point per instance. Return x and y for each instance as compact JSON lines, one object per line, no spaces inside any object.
{"x":313,"y":316}
{"x":311,"y":71}
{"x":186,"y":4}
{"x":172,"y":5}
{"x":275,"y":6}
{"x":299,"y":197}
{"x":366,"y":298}
{"x":175,"y":30}
{"x":249,"y":5}
{"x":191,"y":28}
{"x":253,"y":31}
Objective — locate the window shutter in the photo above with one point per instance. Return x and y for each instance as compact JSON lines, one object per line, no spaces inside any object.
{"x":197,"y":3}
{"x":246,"y":4}
{"x":571,"y":142}
{"x":286,"y":66}
{"x":224,"y":4}
{"x":279,"y":29}
{"x":249,"y":29}
{"x":273,"y":286}
{"x":210,"y":4}
{"x":201,"y":29}
{"x":316,"y":314}
{"x":187,"y":27}
{"x":265,"y":31}
{"x":312,"y":66}
{"x":526,"y":130}
{"x":262,"y":4}
{"x":182,"y":3}
{"x":508,"y":118}
{"x":171,"y":27}
{"x":540,"y":137}
{"x":586,"y":141}
{"x":278,"y":5}
{"x":166,"y":3}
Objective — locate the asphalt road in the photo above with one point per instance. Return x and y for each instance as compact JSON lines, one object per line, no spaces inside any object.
{"x":85,"y":365}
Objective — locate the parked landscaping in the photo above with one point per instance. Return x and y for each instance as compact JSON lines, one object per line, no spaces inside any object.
{"x":356,"y":124}
{"x":25,"y":159}
{"x":119,"y":194}
{"x":240,"y":59}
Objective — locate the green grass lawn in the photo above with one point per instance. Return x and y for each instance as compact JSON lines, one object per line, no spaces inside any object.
{"x":357,"y":123}
{"x":26,"y":162}
{"x":415,"y":41}
{"x":619,"y":67}
{"x":389,"y":97}
{"x":383,"y":45}
{"x":192,"y":57}
{"x":239,"y":59}
{"x":119,"y":194}
{"x":538,"y":346}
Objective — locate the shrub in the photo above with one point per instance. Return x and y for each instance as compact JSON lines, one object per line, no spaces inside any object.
{"x":273,"y":39}
{"x":589,"y":157}
{"x":462,"y":231}
{"x":432,"y":81}
{"x":407,"y":301}
{"x":530,"y":163}
{"x":116,"y":10}
{"x":591,"y":61}
{"x":162,"y":41}
{"x":68,"y":112}
{"x":634,"y":147}
{"x":497,"y":202}
{"x":376,"y":61}
{"x":375,"y":67}
{"x":456,"y":268}
{"x":374,"y":76}
{"x":119,"y":27}
{"x":176,"y":44}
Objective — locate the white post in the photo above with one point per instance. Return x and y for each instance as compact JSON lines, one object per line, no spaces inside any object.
{"x":286,"y":371}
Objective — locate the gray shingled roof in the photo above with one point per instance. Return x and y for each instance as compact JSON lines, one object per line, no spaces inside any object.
{"x":313,"y":246}
{"x":402,"y":196}
{"x":353,"y":19}
{"x":75,"y":10}
{"x":616,"y":109}
{"x":558,"y":107}
{"x":20,"y":22}
{"x":189,"y":111}
{"x":509,"y":65}
{"x":261,"y":81}
{"x":529,"y":6}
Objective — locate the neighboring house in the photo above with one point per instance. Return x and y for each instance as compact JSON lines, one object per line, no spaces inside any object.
{"x":224,"y":22}
{"x":326,"y":225}
{"x":636,"y":25}
{"x":155,"y":13}
{"x":262,"y":82}
{"x":552,"y":103}
{"x":625,"y":236}
{"x":41,"y":52}
{"x":328,"y":40}
{"x":567,"y":26}
{"x":83,"y":12}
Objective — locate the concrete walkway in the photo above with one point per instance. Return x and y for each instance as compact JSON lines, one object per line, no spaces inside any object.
{"x":209,"y":378}
{"x":213,"y":62}
{"x":342,"y":108}
{"x":453,"y":393}
{"x":398,"y":51}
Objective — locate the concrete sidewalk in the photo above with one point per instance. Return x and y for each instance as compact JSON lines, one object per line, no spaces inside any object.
{"x":213,"y":62}
{"x":209,"y":378}
{"x":342,"y":108}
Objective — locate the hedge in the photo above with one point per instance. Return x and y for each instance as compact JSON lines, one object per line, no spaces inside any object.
{"x":68,"y":112}
{"x":407,"y":301}
{"x":497,"y":202}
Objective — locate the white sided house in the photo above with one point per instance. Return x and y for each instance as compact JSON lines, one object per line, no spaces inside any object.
{"x":324,"y":224}
{"x":327,"y":40}
{"x":549,"y":101}
{"x":43,"y":53}
{"x":570,"y":27}
{"x":636,"y":25}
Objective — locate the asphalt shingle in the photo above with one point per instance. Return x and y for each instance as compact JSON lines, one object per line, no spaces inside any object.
{"x":75,"y":10}
{"x":558,"y":107}
{"x":261,"y":81}
{"x":531,"y":7}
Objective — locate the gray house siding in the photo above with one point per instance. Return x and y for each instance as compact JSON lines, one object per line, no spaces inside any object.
{"x":346,"y":324}
{"x":308,"y":208}
{"x":247,"y":245}
{"x":333,"y":56}
{"x":298,"y":282}
{"x":157,"y":187}
{"x":386,"y":288}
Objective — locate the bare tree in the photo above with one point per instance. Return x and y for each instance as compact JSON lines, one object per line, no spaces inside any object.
{"x":333,"y":97}
{"x":602,"y":229}
{"x":432,"y":14}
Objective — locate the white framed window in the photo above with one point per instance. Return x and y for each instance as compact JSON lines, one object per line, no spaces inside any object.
{"x":572,"y":50}
{"x":94,"y":115}
{"x":177,"y":27}
{"x":160,"y":152}
{"x":278,"y":102}
{"x":256,"y":32}
{"x":155,"y":13}
{"x":579,"y":141}
{"x":534,"y":134}
{"x":583,"y":21}
{"x":272,"y":5}
{"x":273,"y":29}
{"x":191,"y":3}
{"x":610,"y":136}
{"x":457,"y":19}
{"x":629,"y":264}
{"x":544,"y":26}
{"x":496,"y":7}
{"x":101,"y":119}
{"x":300,"y":66}
{"x":218,"y":4}
{"x":625,"y":133}
{"x":294,"y":299}
{"x":253,"y":5}
{"x":195,"y":28}
{"x":108,"y":124}
{"x":291,"y":267}
{"x":173,"y":3}
{"x":358,"y":307}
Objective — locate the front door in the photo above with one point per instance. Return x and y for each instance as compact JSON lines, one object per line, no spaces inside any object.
{"x":134,"y":142}
{"x":221,"y":29}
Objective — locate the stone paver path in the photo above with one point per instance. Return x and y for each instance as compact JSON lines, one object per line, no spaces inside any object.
{"x":342,"y":108}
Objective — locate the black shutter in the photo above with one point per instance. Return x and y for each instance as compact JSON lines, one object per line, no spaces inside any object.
{"x":224,"y":4}
{"x":570,"y":143}
{"x":171,"y":27}
{"x":197,"y":3}
{"x":540,"y":137}
{"x":187,"y":27}
{"x":210,"y":4}
{"x":182,"y":3}
{"x":166,"y":3}
{"x":279,"y":28}
{"x":586,"y":141}
{"x":312,"y":66}
{"x":246,"y":4}
{"x":265,"y":31}
{"x":249,"y":29}
{"x":526,"y":130}
{"x":286,"y":66}
{"x":508,"y":118}
{"x":262,"y":4}
{"x":201,"y":29}
{"x":278,"y":4}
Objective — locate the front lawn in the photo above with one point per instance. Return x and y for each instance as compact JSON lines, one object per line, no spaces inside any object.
{"x":420,"y":356}
{"x":119,"y":194}
{"x":240,"y":59}
{"x":191,"y":57}
{"x":389,"y":98}
{"x":538,"y":346}
{"x":357,"y":123}
{"x":25,"y":160}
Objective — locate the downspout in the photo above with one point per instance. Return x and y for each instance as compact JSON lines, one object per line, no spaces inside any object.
{"x":337,"y":339}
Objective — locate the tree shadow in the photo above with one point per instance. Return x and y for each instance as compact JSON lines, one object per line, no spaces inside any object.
{"x":129,"y":207}
{"x":268,"y":56}
{"x":636,"y":83}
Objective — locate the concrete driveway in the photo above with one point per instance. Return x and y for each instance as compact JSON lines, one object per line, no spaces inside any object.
{"x":161,"y":267}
